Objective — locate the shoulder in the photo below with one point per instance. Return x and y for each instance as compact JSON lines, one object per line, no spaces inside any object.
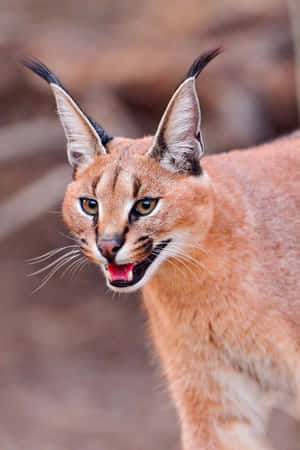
{"x":282,"y":152}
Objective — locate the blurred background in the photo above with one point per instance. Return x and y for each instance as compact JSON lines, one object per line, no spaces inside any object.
{"x":77,"y":370}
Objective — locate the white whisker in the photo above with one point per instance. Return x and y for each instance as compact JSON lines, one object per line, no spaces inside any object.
{"x":178,"y":253}
{"x":53,"y":263}
{"x":47,"y":255}
{"x":176,"y":267}
{"x":71,"y":238}
{"x":73,"y":265}
{"x":81,"y":265}
{"x":53,"y":271}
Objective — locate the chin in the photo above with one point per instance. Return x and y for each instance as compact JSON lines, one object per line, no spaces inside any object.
{"x":127,"y":289}
{"x":131,"y":277}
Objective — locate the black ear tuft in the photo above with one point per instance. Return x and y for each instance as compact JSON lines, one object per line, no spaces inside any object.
{"x":202,"y":61}
{"x":104,"y":137}
{"x":44,"y":72}
{"x":41,"y":70}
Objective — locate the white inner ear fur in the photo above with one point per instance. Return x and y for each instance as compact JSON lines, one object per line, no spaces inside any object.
{"x":179,"y":128}
{"x":83,"y":141}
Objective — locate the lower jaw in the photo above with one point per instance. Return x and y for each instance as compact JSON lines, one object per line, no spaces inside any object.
{"x":140,"y":269}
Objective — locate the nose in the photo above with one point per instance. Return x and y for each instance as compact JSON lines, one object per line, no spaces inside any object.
{"x":109,"y":247}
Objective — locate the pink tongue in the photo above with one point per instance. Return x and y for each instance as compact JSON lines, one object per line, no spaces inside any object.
{"x":119,"y":271}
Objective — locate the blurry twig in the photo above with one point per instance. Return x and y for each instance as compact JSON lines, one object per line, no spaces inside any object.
{"x":31,"y":202}
{"x":294,"y":13}
{"x":30,"y":137}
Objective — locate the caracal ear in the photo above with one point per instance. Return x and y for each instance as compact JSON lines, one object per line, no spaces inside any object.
{"x":85,"y":138}
{"x":83,"y":142}
{"x":177,"y":144}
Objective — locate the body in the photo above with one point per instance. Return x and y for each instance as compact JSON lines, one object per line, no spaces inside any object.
{"x":214,"y":245}
{"x":228,"y":332}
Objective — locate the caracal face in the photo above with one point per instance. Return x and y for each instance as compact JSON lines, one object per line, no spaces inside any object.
{"x":151,"y":213}
{"x":134,"y":204}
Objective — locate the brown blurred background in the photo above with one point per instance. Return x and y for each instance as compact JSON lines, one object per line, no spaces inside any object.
{"x":77,"y":370}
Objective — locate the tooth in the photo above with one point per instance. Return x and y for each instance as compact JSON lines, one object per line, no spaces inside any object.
{"x":130,"y":276}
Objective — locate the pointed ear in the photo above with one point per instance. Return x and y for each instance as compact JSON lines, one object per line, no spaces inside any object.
{"x":85,"y":138}
{"x":177,"y":144}
{"x":83,"y":142}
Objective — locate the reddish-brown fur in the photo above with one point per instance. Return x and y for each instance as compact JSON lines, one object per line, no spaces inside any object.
{"x":217,"y":258}
{"x":227,"y":329}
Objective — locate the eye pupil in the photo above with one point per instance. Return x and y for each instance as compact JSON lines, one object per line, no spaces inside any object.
{"x":146,"y":204}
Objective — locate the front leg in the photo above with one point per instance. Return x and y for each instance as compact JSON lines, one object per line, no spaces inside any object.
{"x":219,"y":422}
{"x":232,"y":435}
{"x":199,"y":417}
{"x":199,"y":437}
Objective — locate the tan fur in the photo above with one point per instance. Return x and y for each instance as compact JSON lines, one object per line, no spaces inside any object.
{"x":227,"y":322}
{"x":217,"y":256}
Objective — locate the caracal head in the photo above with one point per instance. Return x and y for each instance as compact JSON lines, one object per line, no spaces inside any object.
{"x":135,"y":204}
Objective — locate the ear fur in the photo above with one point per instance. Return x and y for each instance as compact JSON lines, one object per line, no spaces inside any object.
{"x":177,"y":144}
{"x":83,"y":142}
{"x":85,"y":138}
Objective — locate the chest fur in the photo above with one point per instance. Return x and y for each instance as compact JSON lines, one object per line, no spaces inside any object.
{"x":221,"y":366}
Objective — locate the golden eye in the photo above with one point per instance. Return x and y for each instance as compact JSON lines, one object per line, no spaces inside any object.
{"x":89,"y":206}
{"x":145,"y":206}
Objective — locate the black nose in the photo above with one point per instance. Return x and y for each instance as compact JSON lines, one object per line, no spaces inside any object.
{"x":110,"y":247}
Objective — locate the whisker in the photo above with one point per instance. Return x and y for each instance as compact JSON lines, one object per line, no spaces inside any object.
{"x":186,"y":267}
{"x":190,"y":259}
{"x":176,"y":267}
{"x":72,"y":252}
{"x":68,"y":268}
{"x":196,"y":246}
{"x":71,"y":238}
{"x":74,"y":263}
{"x":52,"y":272}
{"x":157,"y":252}
{"x":188,"y":256}
{"x":80,"y":266}
{"x":186,"y":260}
{"x":55,"y":212}
{"x":49,"y":254}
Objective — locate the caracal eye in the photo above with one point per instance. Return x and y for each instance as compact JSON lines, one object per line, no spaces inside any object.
{"x":89,"y":206}
{"x":145,"y":206}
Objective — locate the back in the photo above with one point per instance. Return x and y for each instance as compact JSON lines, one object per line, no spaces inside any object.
{"x":264,"y":183}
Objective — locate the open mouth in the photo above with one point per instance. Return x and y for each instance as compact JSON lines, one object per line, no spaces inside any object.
{"x":124,"y":275}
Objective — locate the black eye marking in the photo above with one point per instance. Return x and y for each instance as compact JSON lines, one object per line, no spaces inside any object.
{"x":146,"y":245}
{"x":142,"y":238}
{"x":95,"y":183}
{"x":84,"y":241}
{"x":136,"y":186}
{"x":116,"y":174}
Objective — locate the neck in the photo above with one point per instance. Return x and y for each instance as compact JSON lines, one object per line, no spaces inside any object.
{"x":204,"y":321}
{"x":206,"y":260}
{"x":176,"y":281}
{"x":203,"y":287}
{"x":189,"y":315}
